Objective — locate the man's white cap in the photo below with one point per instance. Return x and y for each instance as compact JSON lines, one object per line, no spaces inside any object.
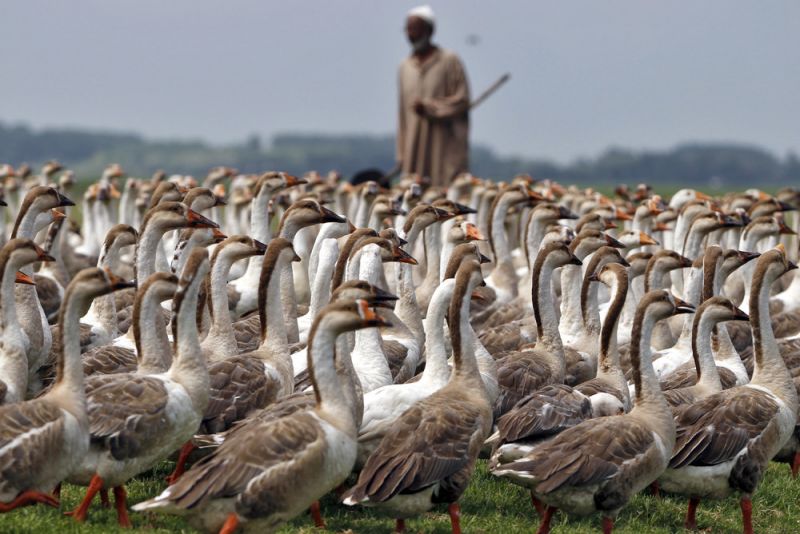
{"x":423,"y":12}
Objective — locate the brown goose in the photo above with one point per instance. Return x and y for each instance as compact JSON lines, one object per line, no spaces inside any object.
{"x":726,"y":440}
{"x":14,"y":375}
{"x":287,"y":461}
{"x":598,"y":465}
{"x":42,"y":440}
{"x":522,"y":372}
{"x":430,"y":453}
{"x":137,"y":420}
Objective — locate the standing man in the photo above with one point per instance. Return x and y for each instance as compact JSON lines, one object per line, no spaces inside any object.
{"x":433,"y":127}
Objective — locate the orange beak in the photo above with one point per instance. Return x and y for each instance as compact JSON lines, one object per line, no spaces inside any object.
{"x":218,"y":236}
{"x":198,"y":221}
{"x":57,"y":215}
{"x":294,"y":180}
{"x":661,"y":227}
{"x":645,"y":239}
{"x":402,"y":256}
{"x":473,"y":233}
{"x":23,"y":278}
{"x":117,"y":282}
{"x":609,"y":225}
{"x":369,"y":316}
{"x":699,"y":195}
{"x":621,"y":215}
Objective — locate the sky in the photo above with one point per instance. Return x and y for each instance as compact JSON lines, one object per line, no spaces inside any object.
{"x":585,"y":74}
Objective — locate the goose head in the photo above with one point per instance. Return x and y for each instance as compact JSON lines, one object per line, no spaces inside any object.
{"x":238,"y":247}
{"x":595,"y":221}
{"x":38,"y":200}
{"x":664,"y":219}
{"x":201,"y":198}
{"x":168,"y":215}
{"x":423,"y":216}
{"x":50,"y":168}
{"x":361,"y":289}
{"x":768,"y":206}
{"x":389,"y":252}
{"x":557,"y":233}
{"x":462,"y":253}
{"x":631,"y":239}
{"x":556,"y":254}
{"x":19,"y":252}
{"x":660,"y":304}
{"x":588,"y":240}
{"x":167,"y":191}
{"x":680,"y":198}
{"x":764,"y":226}
{"x":453,"y":208}
{"x":349,"y":315}
{"x":89,"y":284}
{"x":384,"y":207}
{"x":463,"y":232}
{"x":720,"y":309}
{"x":638,"y":262}
{"x":306,"y":212}
{"x":158,"y":287}
{"x":770,"y":266}
{"x":217,"y":175}
{"x":392,"y":235}
{"x":271,"y":182}
{"x":610,"y":274}
{"x":119,"y":237}
{"x":44,"y":219}
{"x":662,"y":262}
{"x":732,"y":259}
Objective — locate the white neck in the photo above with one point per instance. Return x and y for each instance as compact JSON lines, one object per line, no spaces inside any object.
{"x":436,"y":367}
{"x":328,"y":384}
{"x":189,"y":366}
{"x":321,"y":292}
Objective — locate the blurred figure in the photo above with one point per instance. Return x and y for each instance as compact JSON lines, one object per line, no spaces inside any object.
{"x":433,"y":127}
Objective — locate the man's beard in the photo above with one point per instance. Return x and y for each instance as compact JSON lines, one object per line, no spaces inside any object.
{"x":421,"y":44}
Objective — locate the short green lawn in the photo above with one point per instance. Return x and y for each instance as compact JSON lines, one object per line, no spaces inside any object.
{"x":489,"y":506}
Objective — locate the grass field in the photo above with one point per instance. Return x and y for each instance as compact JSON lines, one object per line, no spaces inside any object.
{"x":489,"y":506}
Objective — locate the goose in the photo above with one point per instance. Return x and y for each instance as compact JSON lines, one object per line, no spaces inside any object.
{"x":598,"y":465}
{"x":430,"y":453}
{"x":137,"y":420}
{"x":266,"y":187}
{"x":38,"y":200}
{"x":725,"y":441}
{"x":45,"y":438}
{"x":287,"y":461}
{"x":383,"y":405}
{"x":552,"y":409}
{"x":525,"y":371}
{"x":150,"y":352}
{"x":52,"y":278}
{"x":14,"y":375}
{"x":656,"y":277}
{"x":711,"y":312}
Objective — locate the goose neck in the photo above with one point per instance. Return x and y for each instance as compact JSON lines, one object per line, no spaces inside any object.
{"x":608,"y":358}
{"x":153,"y":349}
{"x":649,"y":398}
{"x":435,"y":345}
{"x":321,"y":291}
{"x":433,"y":253}
{"x":146,"y":250}
{"x":189,"y":365}
{"x":465,"y":365}
{"x":544,"y":310}
{"x":707,"y":373}
{"x":328,"y":387}
{"x":221,"y":326}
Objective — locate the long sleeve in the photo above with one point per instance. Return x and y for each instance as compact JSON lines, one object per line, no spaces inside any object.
{"x":456,"y":103}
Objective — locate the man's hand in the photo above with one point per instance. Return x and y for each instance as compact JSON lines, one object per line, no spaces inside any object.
{"x":419,"y":108}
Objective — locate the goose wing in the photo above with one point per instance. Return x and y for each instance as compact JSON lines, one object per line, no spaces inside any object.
{"x":545,"y":412}
{"x":238,"y":387}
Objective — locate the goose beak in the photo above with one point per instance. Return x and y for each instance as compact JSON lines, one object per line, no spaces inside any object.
{"x":574,"y":260}
{"x":747,"y":256}
{"x":219,"y":201}
{"x":382,"y":295}
{"x":785,"y":230}
{"x":661,"y":227}
{"x":64,"y":201}
{"x":442,"y":215}
{"x":699,"y":195}
{"x":739,"y":315}
{"x":118,"y":282}
{"x":613,"y":242}
{"x":57,"y":215}
{"x":594,"y":277}
{"x":260,"y":247}
{"x":685,"y":262}
{"x":113,"y":191}
{"x":783,"y":206}
{"x":291,"y":181}
{"x":566,"y":213}
{"x":609,"y":224}
{"x":624,"y":262}
{"x":218,"y":236}
{"x":621,"y":215}
{"x":196,"y":220}
{"x":681,"y":306}
{"x":645,"y":239}
{"x":369,"y":317}
{"x":22,"y":278}
{"x":484,"y":259}
{"x":402,"y":242}
{"x":3,"y":202}
{"x":473,"y":233}
{"x":403,"y":257}
{"x":790,"y":265}
{"x":330,"y":216}
{"x":461,"y":209}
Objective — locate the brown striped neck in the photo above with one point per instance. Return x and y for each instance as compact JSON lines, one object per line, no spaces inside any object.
{"x":279,"y":255}
{"x":464,"y":363}
{"x":608,"y":334}
{"x":344,"y":254}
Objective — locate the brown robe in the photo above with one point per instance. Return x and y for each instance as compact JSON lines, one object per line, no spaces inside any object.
{"x":435,"y":144}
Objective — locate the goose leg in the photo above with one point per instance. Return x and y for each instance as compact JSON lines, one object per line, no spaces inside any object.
{"x":80,"y":513}
{"x":544,"y":526}
{"x":537,"y":504}
{"x":230,"y":525}
{"x":57,"y":491}
{"x":747,"y":515}
{"x":400,"y":525}
{"x":655,"y":489}
{"x":455,"y":517}
{"x":121,"y":503}
{"x":796,"y":464}
{"x":29,"y":497}
{"x":608,"y":525}
{"x":180,"y":466}
{"x":104,"y":502}
{"x":316,"y":514}
{"x":691,"y":520}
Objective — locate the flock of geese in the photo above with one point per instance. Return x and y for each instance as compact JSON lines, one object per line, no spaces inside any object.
{"x":377,"y":342}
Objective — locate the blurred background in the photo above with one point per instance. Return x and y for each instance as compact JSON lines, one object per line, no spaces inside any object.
{"x":602,"y":91}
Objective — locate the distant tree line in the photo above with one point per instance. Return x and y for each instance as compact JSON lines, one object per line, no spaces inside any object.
{"x":710,"y":165}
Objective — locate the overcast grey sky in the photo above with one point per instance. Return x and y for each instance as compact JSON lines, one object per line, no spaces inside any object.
{"x":585,"y":74}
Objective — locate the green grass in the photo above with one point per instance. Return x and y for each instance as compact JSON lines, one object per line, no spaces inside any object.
{"x":489,"y":506}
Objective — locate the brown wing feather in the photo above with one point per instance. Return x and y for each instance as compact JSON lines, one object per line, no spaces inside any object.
{"x":109,"y":359}
{"x":238,"y":387}
{"x":247,"y":332}
{"x":37,"y":427}
{"x":543,"y":413}
{"x":430,"y":442}
{"x":598,"y":385}
{"x":125,"y":411}
{"x":519,"y":374}
{"x":716,"y":429}
{"x":686,"y":376}
{"x":589,"y":453}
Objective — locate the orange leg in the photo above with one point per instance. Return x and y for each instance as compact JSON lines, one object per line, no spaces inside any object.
{"x":230,"y":525}
{"x":400,"y":525}
{"x":691,"y":514}
{"x":80,"y":513}
{"x":608,"y":525}
{"x":57,"y":491}
{"x":538,"y":505}
{"x":655,"y":489}
{"x":455,"y":517}
{"x":796,"y":464}
{"x":544,"y":526}
{"x":29,"y":497}
{"x":316,"y":514}
{"x":121,"y":502}
{"x":180,"y":466}
{"x":747,"y":515}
